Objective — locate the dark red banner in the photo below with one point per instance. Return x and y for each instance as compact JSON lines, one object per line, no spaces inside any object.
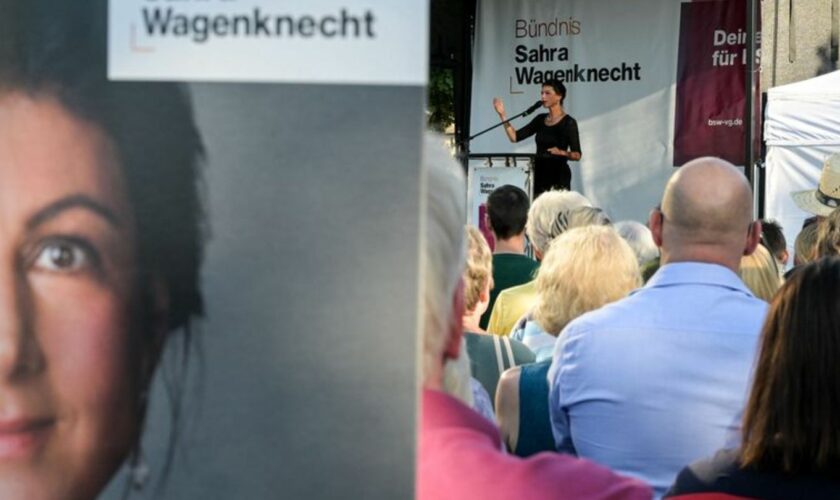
{"x":711,"y":81}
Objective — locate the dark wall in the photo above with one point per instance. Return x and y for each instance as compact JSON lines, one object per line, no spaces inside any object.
{"x":451,"y":30}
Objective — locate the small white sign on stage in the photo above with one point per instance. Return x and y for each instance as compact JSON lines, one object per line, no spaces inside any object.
{"x":297,"y":41}
{"x":483,"y":180}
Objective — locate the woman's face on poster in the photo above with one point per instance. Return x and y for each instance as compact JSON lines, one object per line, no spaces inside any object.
{"x":68,"y":402}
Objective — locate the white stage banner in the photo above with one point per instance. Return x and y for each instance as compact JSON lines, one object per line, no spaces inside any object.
{"x":618,"y":61}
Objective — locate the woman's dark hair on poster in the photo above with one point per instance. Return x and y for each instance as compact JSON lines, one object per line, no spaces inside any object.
{"x":62,"y":54}
{"x":57,"y":49}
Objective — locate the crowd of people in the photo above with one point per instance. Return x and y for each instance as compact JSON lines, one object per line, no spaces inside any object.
{"x":679,"y":358}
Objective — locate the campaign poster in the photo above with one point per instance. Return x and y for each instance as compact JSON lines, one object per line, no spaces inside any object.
{"x":711,"y":81}
{"x":210,"y":248}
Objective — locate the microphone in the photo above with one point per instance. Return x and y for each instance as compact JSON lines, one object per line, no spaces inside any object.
{"x":533,"y":108}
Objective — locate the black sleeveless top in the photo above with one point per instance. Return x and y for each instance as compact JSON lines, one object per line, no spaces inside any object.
{"x":551,"y":171}
{"x":562,"y":135}
{"x":723,"y":474}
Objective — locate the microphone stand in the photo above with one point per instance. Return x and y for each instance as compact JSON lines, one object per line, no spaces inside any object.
{"x":464,"y":143}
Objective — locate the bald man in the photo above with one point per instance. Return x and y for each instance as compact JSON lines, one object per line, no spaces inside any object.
{"x":654,"y":381}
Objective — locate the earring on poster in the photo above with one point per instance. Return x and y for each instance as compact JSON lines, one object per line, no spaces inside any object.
{"x":138,"y":471}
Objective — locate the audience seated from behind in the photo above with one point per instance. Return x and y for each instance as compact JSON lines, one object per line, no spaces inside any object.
{"x":790,"y":445}
{"x":638,"y":236}
{"x":828,"y":236}
{"x":585,"y":268}
{"x":569,"y":219}
{"x":580,"y":217}
{"x":490,"y":355}
{"x":773,"y":238}
{"x":823,"y":200}
{"x":541,"y":228}
{"x":649,"y":383}
{"x":649,"y":269}
{"x":805,"y":244}
{"x":522,"y":409}
{"x":820,"y":202}
{"x":459,"y":382}
{"x":760,"y":272}
{"x":460,"y":453}
{"x":507,"y":213}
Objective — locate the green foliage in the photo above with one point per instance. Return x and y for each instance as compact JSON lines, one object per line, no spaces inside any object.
{"x":441,"y":98}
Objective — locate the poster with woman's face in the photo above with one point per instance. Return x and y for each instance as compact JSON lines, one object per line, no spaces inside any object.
{"x":208,"y":251}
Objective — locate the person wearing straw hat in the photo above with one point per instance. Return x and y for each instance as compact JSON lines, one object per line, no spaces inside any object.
{"x":826,"y":197}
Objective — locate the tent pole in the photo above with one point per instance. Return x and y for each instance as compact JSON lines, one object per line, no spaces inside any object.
{"x":749,"y":112}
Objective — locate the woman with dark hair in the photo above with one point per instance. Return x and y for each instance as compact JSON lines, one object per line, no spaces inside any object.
{"x":790,"y":446}
{"x":101,"y":239}
{"x":556,"y":136}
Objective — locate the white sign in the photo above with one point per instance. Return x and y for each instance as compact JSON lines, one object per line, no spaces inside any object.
{"x":376,"y":42}
{"x":482,"y":180}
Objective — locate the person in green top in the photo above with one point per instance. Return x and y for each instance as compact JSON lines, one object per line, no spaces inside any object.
{"x":507,"y":213}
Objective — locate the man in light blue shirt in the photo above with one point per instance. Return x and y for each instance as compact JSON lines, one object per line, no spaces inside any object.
{"x":657,"y":380}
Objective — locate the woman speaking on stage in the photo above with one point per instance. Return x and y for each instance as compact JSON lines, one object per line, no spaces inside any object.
{"x":556,"y":136}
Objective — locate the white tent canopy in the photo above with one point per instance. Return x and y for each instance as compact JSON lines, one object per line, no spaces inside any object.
{"x":801,"y":128}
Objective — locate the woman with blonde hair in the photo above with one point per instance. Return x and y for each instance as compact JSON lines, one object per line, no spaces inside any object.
{"x":566,"y":220}
{"x":805,"y":245}
{"x":490,"y":355}
{"x":584,"y":269}
{"x":760,"y":273}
